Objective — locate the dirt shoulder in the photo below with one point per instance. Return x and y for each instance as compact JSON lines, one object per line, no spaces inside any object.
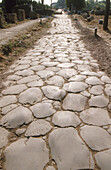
{"x":20,"y":43}
{"x":9,"y":33}
{"x":100,"y":46}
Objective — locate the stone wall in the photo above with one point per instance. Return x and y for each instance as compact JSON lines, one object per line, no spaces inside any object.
{"x":26,"y":8}
{"x":34,"y":15}
{"x":2,"y":21}
{"x":21,"y":15}
{"x":11,"y":17}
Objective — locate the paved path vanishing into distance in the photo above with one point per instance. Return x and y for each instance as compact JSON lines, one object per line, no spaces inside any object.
{"x":55,"y":109}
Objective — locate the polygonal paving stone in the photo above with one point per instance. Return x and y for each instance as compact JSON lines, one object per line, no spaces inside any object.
{"x":67,"y":73}
{"x":84,"y":68}
{"x":28,"y":79}
{"x":15,"y":89}
{"x":95,"y":116}
{"x":53,"y":92}
{"x":56,"y":80}
{"x":94,"y":81}
{"x":96,"y":138}
{"x":108,"y":89}
{"x":103,"y":160}
{"x":77,"y":78}
{"x":17,"y":117}
{"x":42,"y":110}
{"x":106,"y":79}
{"x":37,"y":128}
{"x":8,"y":108}
{"x":26,"y":154}
{"x":49,"y":64}
{"x":36,"y":83}
{"x":25,"y":72}
{"x":6,"y":100}
{"x":65,"y":119}
{"x":20,"y":131}
{"x":66,"y":65}
{"x":45,"y":73}
{"x":69,"y":151}
{"x":14,"y":77}
{"x":21,"y":67}
{"x":96,"y":90}
{"x":37,"y":68}
{"x":89,"y":73}
{"x":99,"y":101}
{"x":24,"y":62}
{"x":75,"y":102}
{"x":3,"y":137}
{"x":30,"y":96}
{"x":55,"y":69}
{"x":75,"y":87}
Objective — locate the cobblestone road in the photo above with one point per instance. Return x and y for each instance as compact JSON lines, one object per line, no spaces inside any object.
{"x":55,"y":110}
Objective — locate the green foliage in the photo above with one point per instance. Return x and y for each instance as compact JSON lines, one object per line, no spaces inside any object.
{"x":8,"y":5}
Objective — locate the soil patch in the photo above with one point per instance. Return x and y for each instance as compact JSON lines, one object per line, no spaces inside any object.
{"x":20,"y":44}
{"x":99,"y":48}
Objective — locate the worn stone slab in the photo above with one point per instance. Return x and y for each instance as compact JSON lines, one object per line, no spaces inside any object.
{"x":53,"y":92}
{"x":96,"y":90}
{"x":45,"y":73}
{"x":26,"y":154}
{"x":21,"y":67}
{"x":28,"y":79}
{"x":20,"y":131}
{"x":67,"y":73}
{"x":50,"y":64}
{"x":75,"y":156}
{"x":89,"y":73}
{"x":16,"y":89}
{"x":98,"y":101}
{"x":37,"y":83}
{"x":14,"y":77}
{"x":24,"y":73}
{"x":108,"y":89}
{"x":84,"y":67}
{"x":66,"y":65}
{"x":38,"y":127}
{"x":106,"y":79}
{"x":95,"y":116}
{"x":96,"y":137}
{"x":75,"y":87}
{"x":75,"y":102}
{"x":6,"y":100}
{"x":109,"y":130}
{"x":42,"y":110}
{"x":37,"y":68}
{"x":66,"y":119}
{"x":3,"y":137}
{"x":94,"y":81}
{"x":77,"y":78}
{"x":17,"y":117}
{"x":30,"y":96}
{"x":8,"y":108}
{"x":56,"y":80}
{"x":103,"y":159}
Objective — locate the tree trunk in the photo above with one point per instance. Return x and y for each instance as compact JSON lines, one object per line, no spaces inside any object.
{"x":42,"y":2}
{"x":105,"y":26}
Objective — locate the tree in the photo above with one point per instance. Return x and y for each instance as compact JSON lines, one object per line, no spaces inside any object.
{"x":77,"y":4}
{"x":106,"y":16}
{"x":9,"y":5}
